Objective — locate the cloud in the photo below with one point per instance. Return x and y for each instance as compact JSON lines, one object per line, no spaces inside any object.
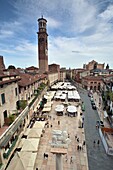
{"x":24,"y":54}
{"x":6,"y":34}
{"x":53,"y":23}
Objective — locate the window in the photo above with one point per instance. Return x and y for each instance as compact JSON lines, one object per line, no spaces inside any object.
{"x":16,"y":92}
{"x":3,"y":98}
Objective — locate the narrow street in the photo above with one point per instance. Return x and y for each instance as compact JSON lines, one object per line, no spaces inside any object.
{"x":97,"y":157}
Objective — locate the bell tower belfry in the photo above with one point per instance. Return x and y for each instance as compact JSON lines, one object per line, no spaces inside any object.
{"x":42,"y":45}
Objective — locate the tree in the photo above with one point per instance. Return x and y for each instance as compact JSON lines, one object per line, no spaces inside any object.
{"x":11,"y":67}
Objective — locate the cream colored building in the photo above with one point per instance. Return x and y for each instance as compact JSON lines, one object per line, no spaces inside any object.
{"x":53,"y":77}
{"x":62,"y":74}
{"x":8,"y":96}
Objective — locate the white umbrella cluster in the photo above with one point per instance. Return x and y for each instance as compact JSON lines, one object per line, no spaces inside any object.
{"x":59,"y":108}
{"x":71,"y":109}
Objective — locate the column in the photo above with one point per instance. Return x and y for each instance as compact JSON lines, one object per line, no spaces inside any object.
{"x":59,"y":162}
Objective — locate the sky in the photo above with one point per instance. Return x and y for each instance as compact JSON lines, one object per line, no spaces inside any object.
{"x":79,"y":31}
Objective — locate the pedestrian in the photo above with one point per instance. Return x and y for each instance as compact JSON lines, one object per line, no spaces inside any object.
{"x":97,"y":126}
{"x":80,"y":148}
{"x":58,"y":122}
{"x":36,"y":168}
{"x":77,"y":147}
{"x":75,"y":136}
{"x":84,"y":143}
{"x":98,"y":142}
{"x":94,"y":143}
{"x":51,"y":125}
{"x":77,"y":139}
{"x":71,"y":160}
{"x":68,"y":135}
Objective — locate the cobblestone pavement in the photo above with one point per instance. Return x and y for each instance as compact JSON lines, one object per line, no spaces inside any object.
{"x":70,"y":124}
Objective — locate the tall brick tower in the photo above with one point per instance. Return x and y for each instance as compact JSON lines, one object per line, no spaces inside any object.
{"x":2,"y":65}
{"x":42,"y":45}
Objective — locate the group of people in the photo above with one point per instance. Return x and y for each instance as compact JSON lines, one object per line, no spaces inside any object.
{"x":71,"y":159}
{"x":98,"y":143}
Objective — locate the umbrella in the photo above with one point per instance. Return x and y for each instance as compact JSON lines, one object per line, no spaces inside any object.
{"x":71,"y":109}
{"x":35,"y":133}
{"x":59,"y":108}
{"x":39,"y":125}
{"x":16,"y":163}
{"x":31,"y":144}
{"x":23,"y":161}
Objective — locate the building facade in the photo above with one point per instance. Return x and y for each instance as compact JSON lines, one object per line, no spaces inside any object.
{"x":94,"y":65}
{"x":92,"y":83}
{"x":8,"y":96}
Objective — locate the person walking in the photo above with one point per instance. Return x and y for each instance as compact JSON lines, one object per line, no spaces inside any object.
{"x":75,"y":136}
{"x":84,"y":143}
{"x":98,"y":142}
{"x":77,"y":147}
{"x":94,"y":143}
{"x":77,"y":139}
{"x":58,"y":122}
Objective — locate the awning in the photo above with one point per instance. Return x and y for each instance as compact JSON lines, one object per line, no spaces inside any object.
{"x":5,"y":140}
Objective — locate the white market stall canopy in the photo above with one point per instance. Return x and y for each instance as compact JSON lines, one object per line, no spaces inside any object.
{"x":73,"y":95}
{"x":49,"y":95}
{"x":20,"y":145}
{"x":48,"y":104}
{"x":71,"y":109}
{"x":63,"y":97}
{"x":59,"y":108}
{"x":34,"y":133}
{"x":60,"y":95}
{"x":46,"y":109}
{"x":39,"y":124}
{"x":63,"y":86}
{"x":23,"y":161}
{"x":31,"y":145}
